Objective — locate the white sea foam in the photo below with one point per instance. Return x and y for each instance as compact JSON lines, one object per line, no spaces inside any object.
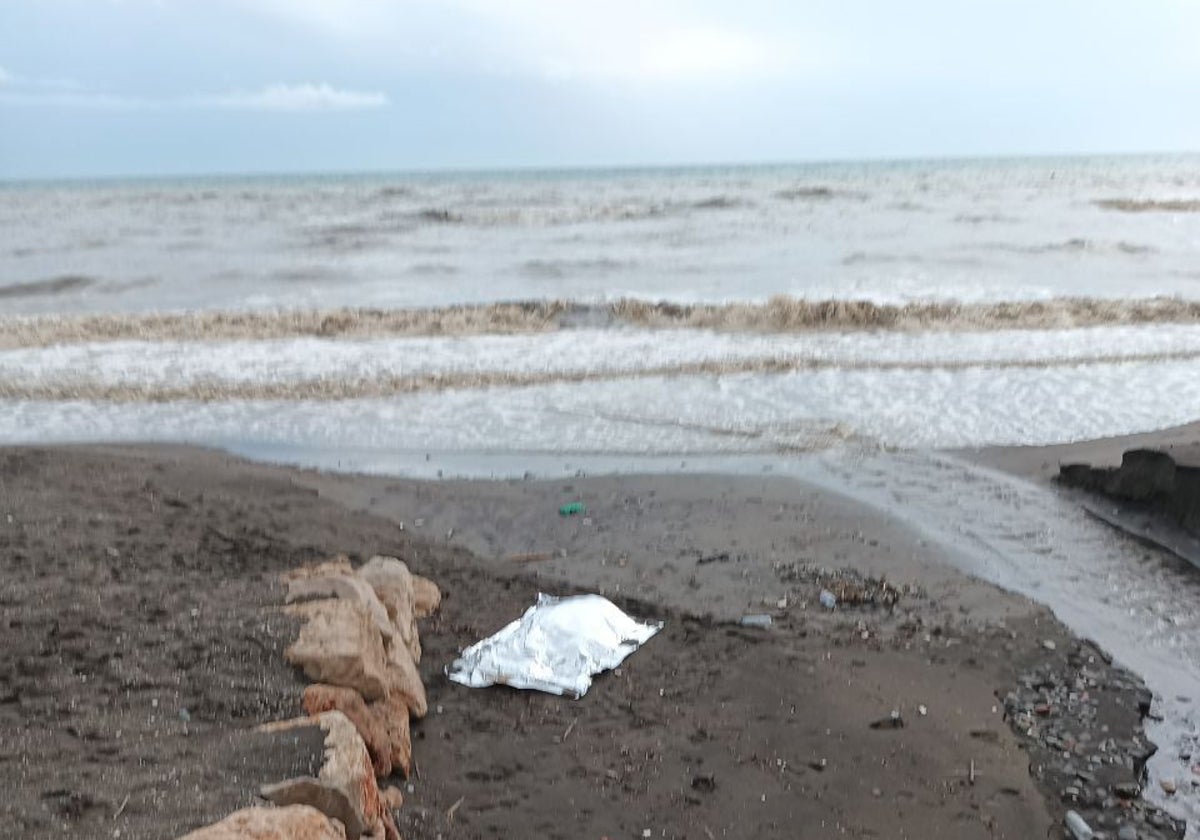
{"x":737,"y":413}
{"x":493,"y":360}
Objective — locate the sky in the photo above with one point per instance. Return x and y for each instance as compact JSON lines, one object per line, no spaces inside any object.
{"x":94,"y":88}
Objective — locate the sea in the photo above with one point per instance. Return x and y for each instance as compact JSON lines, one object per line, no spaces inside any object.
{"x":850,"y":324}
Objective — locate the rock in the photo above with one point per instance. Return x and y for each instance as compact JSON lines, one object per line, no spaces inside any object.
{"x":1168,"y":785}
{"x":294,"y":822}
{"x":326,"y":698}
{"x":393,"y":712}
{"x":340,"y":644}
{"x":1143,"y":474}
{"x":383,"y":725}
{"x":892,"y":721}
{"x":426,"y":597}
{"x":335,"y":582}
{"x":1127,"y":832}
{"x":404,"y":680}
{"x":392,"y":797}
{"x":337,"y":566}
{"x":1049,"y":644}
{"x":1127,"y":790}
{"x":345,"y":787}
{"x":1078,"y":827}
{"x":1145,"y":699}
{"x":393,"y":585}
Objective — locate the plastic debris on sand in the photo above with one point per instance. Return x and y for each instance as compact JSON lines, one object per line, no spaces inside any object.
{"x":556,"y":646}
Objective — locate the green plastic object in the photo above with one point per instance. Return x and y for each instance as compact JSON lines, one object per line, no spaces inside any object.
{"x":571,"y":509}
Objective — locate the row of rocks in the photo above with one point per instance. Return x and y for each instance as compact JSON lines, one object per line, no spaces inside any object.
{"x":359,"y":642}
{"x":1080,"y":717}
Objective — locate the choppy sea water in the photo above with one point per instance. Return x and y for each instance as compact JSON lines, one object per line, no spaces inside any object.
{"x":838,"y":322}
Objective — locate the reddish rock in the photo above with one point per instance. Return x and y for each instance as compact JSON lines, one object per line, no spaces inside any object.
{"x":392,"y":797}
{"x":326,"y":698}
{"x":426,"y":596}
{"x":393,"y":714}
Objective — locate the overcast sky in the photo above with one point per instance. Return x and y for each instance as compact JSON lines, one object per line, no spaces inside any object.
{"x":129,"y":87}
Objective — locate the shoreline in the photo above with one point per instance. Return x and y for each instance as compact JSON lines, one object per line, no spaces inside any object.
{"x":701,"y":551}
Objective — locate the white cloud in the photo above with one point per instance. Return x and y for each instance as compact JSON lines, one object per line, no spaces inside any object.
{"x":702,"y":54}
{"x":628,"y":41}
{"x":301,"y":97}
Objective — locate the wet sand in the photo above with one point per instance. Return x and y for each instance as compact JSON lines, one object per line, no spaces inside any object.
{"x":142,"y":637}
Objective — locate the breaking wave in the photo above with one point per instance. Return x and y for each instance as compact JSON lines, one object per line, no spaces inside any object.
{"x":1137,"y":205}
{"x":777,"y":315}
{"x":46,"y":288}
{"x":326,"y":388}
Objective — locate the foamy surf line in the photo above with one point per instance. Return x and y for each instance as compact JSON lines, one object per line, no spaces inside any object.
{"x":327,"y":388}
{"x":778,"y":315}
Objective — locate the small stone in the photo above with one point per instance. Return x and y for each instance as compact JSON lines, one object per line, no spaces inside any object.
{"x":392,"y":797}
{"x":892,"y":721}
{"x":1127,"y":832}
{"x":1127,"y":790}
{"x":1168,"y":786}
{"x":1049,"y":645}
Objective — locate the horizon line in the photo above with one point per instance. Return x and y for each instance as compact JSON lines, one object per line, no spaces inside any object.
{"x":596,"y":168}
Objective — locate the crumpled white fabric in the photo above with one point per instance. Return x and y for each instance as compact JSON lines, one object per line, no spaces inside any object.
{"x":556,"y":646}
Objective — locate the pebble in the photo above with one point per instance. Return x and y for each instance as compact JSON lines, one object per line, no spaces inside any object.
{"x":1055,"y":708}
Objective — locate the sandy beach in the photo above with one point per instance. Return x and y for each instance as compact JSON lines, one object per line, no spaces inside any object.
{"x":143,"y":635}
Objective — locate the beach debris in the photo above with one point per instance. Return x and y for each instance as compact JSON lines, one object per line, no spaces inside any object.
{"x":556,"y":646}
{"x":761,"y":621}
{"x":828,"y":599}
{"x":848,"y":587}
{"x":259,"y":823}
{"x":1078,"y":827}
{"x":531,"y":557}
{"x":922,"y":710}
{"x":572,"y":509}
{"x":1077,"y":714}
{"x":344,"y":788}
{"x":892,"y":721}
